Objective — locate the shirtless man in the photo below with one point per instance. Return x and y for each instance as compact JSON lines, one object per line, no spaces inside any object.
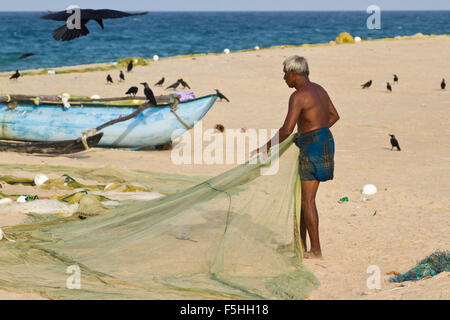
{"x":311,"y":109}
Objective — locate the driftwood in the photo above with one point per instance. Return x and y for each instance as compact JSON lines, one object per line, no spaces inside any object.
{"x":57,"y":147}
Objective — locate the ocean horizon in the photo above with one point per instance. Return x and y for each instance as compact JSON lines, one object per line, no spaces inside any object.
{"x":173,"y":33}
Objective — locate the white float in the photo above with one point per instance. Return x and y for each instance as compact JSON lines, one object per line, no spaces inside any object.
{"x":368,"y":190}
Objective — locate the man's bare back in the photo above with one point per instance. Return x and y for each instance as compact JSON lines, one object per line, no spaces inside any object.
{"x":316,"y":107}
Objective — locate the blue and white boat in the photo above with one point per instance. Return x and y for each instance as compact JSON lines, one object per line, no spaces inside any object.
{"x":26,"y":120}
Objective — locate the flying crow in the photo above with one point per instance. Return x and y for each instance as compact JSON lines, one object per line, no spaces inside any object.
{"x":65,"y":34}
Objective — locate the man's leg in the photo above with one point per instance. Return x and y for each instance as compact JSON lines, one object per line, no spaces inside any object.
{"x":311,"y":217}
{"x":303,"y":229}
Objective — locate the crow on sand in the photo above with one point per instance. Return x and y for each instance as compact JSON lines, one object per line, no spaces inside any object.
{"x":160,"y":82}
{"x":388,"y":87}
{"x":15,"y":76}
{"x":133,"y":91}
{"x":174,"y":85}
{"x":183,"y":83}
{"x":394,"y":143}
{"x":221,"y":96}
{"x":367,"y":84}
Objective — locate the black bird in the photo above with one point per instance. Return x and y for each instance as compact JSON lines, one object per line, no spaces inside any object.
{"x":183,"y":83}
{"x":388,"y":87}
{"x":160,"y":82}
{"x":395,"y":78}
{"x":394,"y":143}
{"x":109,"y":79}
{"x":133,"y":91}
{"x":221,"y":96}
{"x":367,"y":84}
{"x":15,"y":75}
{"x":130,"y":66}
{"x":65,"y":34}
{"x":149,"y":94}
{"x":122,"y":76}
{"x":443,"y":84}
{"x":174,"y":85}
{"x":26,"y":55}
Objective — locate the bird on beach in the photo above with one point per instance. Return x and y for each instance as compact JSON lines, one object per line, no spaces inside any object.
{"x":367,"y":84}
{"x":443,"y":84}
{"x":63,"y":33}
{"x":395,"y":78}
{"x":394,"y":143}
{"x":221,"y":96}
{"x":160,"y":82}
{"x":109,"y":79}
{"x":15,"y":76}
{"x":121,"y":76}
{"x":388,"y":87}
{"x":26,"y":55}
{"x":183,"y":83}
{"x":149,"y":94}
{"x":132,"y":91}
{"x":174,"y":85}
{"x":130,"y":66}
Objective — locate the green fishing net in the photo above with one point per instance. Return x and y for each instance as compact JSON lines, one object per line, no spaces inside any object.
{"x":221,"y":238}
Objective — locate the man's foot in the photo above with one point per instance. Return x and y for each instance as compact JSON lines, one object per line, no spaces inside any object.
{"x":312,"y":255}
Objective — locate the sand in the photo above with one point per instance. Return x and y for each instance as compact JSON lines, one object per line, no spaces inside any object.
{"x":405,"y":221}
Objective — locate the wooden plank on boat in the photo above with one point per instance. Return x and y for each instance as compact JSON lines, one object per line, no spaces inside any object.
{"x":56,"y":147}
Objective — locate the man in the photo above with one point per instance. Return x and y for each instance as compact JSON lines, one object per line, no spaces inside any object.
{"x":311,"y":109}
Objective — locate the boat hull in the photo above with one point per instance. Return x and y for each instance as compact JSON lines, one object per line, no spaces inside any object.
{"x":154,"y":126}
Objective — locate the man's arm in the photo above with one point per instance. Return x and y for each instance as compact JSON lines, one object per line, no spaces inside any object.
{"x":295,"y":108}
{"x":334,"y":116}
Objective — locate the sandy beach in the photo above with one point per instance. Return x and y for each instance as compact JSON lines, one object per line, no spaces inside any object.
{"x":409,"y":217}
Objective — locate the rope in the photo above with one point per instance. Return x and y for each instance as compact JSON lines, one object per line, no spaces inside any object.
{"x":174,"y":108}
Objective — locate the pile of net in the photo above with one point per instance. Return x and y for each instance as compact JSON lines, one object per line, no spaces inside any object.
{"x":217,"y":239}
{"x":432,"y":265}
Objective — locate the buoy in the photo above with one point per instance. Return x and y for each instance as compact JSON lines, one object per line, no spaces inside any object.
{"x":21,"y":199}
{"x":368,"y":190}
{"x":40,"y":179}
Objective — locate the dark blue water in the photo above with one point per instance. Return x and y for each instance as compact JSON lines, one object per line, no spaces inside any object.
{"x":178,"y":33}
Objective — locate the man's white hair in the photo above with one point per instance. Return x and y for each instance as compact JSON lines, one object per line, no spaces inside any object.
{"x":297,"y":64}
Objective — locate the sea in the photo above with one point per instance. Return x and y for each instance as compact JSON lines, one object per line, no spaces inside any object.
{"x":181,"y":33}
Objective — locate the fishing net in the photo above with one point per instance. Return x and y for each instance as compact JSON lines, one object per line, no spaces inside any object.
{"x":233,"y":236}
{"x":432,"y":265}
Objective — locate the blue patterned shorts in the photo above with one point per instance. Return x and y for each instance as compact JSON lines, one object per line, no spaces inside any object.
{"x":316,"y":159}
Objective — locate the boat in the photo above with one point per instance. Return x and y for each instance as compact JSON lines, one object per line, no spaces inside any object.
{"x":51,"y":119}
